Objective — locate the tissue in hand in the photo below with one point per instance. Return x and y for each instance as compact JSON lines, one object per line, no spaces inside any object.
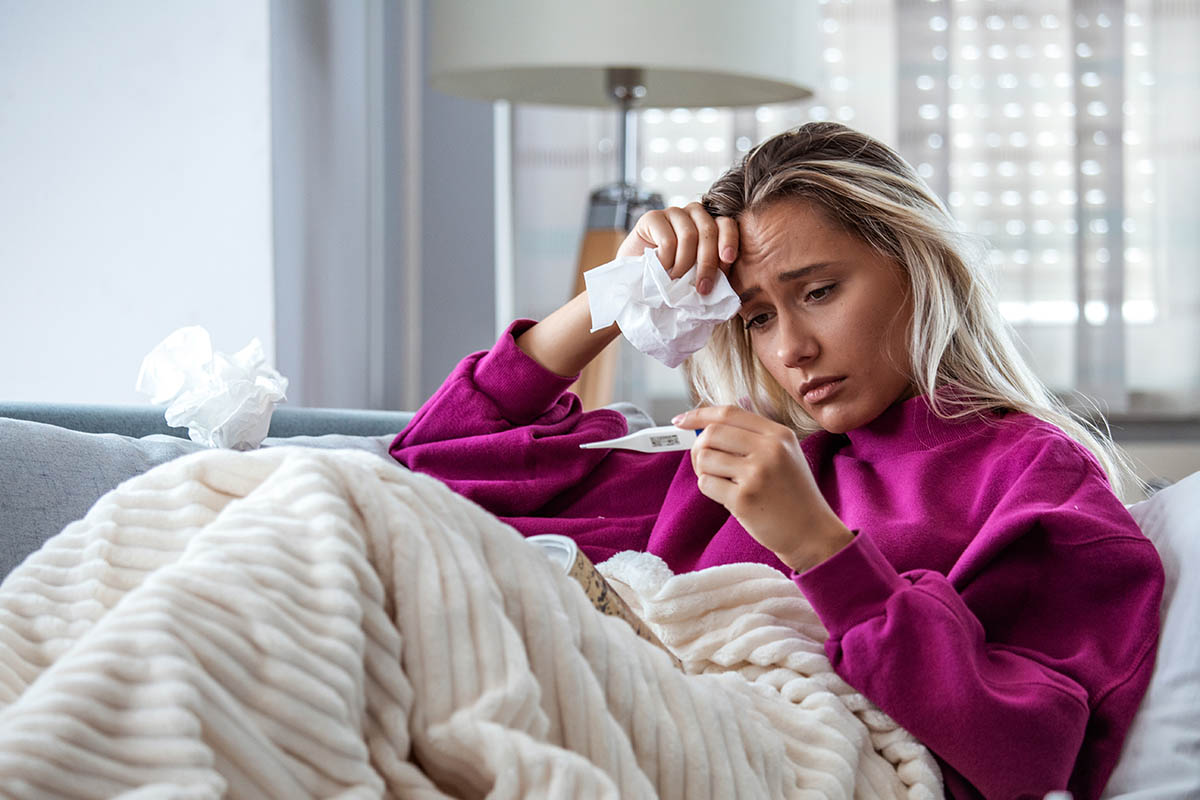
{"x":223,"y":400}
{"x":664,"y":318}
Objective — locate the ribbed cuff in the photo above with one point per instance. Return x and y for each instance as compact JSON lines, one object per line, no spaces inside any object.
{"x":521,"y":388}
{"x":850,"y":586}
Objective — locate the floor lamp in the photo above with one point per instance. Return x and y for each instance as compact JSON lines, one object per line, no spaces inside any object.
{"x":624,"y":54}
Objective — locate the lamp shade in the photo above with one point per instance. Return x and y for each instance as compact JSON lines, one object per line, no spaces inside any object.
{"x":695,"y":53}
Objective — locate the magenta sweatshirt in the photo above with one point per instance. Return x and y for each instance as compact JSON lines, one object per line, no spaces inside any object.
{"x":998,"y":601}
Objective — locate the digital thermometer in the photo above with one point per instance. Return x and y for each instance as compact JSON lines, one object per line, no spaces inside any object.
{"x":662,"y":439}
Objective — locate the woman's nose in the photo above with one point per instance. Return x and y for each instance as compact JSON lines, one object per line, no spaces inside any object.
{"x":797,"y":345}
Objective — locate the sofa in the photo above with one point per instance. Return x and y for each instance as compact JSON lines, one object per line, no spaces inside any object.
{"x":59,"y":459}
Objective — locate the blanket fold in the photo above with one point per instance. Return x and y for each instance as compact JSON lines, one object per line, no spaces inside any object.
{"x":300,"y":623}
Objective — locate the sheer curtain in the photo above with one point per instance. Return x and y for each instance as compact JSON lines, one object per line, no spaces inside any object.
{"x":1063,"y":133}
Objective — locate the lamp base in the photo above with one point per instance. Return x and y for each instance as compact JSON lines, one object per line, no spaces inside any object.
{"x":612,"y":213}
{"x":618,"y":205}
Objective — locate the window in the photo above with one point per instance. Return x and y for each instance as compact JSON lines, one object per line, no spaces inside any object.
{"x":1063,"y":133}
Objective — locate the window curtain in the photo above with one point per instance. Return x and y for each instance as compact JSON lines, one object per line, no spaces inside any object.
{"x":1064,"y":135}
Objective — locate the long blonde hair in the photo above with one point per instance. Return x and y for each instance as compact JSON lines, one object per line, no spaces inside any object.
{"x":958,"y":336}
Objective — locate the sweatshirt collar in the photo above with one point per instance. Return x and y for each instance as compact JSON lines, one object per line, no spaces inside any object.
{"x":909,"y":425}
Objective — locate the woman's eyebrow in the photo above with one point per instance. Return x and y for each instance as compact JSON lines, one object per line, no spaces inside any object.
{"x":786,"y":277}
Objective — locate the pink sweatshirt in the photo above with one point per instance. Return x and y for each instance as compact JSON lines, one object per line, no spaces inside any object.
{"x":998,"y":601}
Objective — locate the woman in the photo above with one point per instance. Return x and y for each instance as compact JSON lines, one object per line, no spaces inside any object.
{"x":870,"y":430}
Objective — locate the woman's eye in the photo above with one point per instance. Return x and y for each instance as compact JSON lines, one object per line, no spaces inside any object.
{"x":820,"y":293}
{"x":757,"y":321}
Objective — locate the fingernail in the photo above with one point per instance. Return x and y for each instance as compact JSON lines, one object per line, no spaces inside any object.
{"x":704,"y":286}
{"x":728,"y":255}
{"x":675,"y":419}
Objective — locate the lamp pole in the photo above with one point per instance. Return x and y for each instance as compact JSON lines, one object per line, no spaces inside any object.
{"x":612,"y":212}
{"x":626,"y":85}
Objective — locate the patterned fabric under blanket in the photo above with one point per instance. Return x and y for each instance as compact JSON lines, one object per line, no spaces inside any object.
{"x":299,"y":623}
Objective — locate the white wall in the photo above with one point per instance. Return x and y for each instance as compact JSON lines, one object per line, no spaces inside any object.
{"x":135,"y":187}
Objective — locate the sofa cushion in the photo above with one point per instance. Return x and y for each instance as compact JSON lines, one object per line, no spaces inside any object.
{"x":1161,"y":755}
{"x":51,"y":476}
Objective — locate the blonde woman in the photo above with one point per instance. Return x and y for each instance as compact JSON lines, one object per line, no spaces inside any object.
{"x":869,"y":430}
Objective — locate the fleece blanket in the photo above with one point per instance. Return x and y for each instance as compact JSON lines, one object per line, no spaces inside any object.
{"x":296,"y":623}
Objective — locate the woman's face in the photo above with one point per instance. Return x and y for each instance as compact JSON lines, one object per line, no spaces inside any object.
{"x":828,"y":315}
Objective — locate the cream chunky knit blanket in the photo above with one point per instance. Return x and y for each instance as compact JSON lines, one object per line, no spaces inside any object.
{"x":296,"y":623}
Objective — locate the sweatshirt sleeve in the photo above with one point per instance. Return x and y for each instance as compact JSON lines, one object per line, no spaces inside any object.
{"x":504,"y":431}
{"x":1023,"y":667}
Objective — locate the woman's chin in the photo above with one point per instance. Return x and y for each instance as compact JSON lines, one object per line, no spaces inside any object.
{"x":828,"y":418}
{"x":834,"y":427}
{"x":838,"y":418}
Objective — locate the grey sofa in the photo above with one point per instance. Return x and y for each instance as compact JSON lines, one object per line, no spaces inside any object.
{"x":57,"y":460}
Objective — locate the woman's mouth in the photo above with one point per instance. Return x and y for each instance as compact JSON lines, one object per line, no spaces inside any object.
{"x":823,"y":391}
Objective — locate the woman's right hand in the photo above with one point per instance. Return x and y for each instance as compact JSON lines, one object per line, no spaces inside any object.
{"x":685,"y":237}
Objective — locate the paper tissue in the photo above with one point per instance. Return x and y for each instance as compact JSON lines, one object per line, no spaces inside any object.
{"x":664,"y":318}
{"x":223,"y":400}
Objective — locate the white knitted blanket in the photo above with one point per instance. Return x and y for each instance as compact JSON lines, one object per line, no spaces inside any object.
{"x":295,"y":623}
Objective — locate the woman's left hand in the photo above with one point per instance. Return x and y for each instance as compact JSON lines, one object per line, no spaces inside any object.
{"x":756,"y":469}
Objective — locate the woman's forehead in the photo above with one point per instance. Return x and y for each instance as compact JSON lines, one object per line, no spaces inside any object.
{"x":784,"y":233}
{"x":790,"y":220}
{"x":792,"y":234}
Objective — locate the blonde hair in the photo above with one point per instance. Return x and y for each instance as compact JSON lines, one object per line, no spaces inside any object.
{"x":957,"y":338}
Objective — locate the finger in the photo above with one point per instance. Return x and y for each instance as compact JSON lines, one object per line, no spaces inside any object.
{"x":730,"y":415}
{"x":719,"y":490}
{"x":706,"y":461}
{"x":687,"y":240}
{"x":707,"y":257}
{"x":728,"y":240}
{"x":724,"y":438}
{"x":655,"y":228}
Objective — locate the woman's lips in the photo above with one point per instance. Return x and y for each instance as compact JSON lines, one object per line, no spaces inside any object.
{"x":821,"y":393}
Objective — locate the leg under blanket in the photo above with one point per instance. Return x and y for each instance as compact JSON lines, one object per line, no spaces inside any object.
{"x":300,"y":623}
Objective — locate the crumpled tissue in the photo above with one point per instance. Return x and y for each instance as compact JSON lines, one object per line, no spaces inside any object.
{"x":223,"y":400}
{"x":664,"y":318}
